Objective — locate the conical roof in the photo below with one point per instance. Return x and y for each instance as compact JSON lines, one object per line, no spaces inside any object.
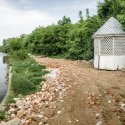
{"x":111,"y":27}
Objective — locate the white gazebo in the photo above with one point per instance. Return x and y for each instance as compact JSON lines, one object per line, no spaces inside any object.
{"x":109,"y":46}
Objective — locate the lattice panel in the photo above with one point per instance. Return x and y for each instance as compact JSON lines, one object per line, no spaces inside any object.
{"x":96,"y":46}
{"x":119,"y":46}
{"x":106,"y":46}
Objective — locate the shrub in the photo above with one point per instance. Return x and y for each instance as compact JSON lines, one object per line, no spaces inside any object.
{"x":19,"y":55}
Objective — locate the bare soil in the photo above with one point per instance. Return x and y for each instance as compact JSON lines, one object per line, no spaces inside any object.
{"x":94,"y":97}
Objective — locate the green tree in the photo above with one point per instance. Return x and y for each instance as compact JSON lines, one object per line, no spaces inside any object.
{"x":15,"y":47}
{"x":80,"y":16}
{"x":87,"y":14}
{"x":115,"y":8}
{"x":50,"y":40}
{"x":64,"y":20}
{"x":80,"y":43}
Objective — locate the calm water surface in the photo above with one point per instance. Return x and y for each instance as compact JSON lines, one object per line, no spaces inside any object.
{"x":3,"y":76}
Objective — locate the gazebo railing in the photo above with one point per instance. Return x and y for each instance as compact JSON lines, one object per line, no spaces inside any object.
{"x":109,"y":46}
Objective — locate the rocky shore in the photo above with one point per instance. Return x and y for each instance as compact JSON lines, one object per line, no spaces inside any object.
{"x":9,"y":86}
{"x":35,"y":109}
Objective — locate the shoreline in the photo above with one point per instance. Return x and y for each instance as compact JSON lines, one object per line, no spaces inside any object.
{"x":9,"y":86}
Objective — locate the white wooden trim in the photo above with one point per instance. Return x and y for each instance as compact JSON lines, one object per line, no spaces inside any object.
{"x":113,"y":45}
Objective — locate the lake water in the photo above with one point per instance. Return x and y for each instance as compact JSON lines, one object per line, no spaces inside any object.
{"x":3,"y":76}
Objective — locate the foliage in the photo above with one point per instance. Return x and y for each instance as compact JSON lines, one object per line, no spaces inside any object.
{"x":87,"y":14}
{"x":66,"y":40}
{"x":2,"y":49}
{"x":73,"y":41}
{"x":20,"y":54}
{"x":15,"y":47}
{"x":65,"y":20}
{"x":49,"y":41}
{"x":80,"y":44}
{"x":80,"y":16}
{"x":115,"y":8}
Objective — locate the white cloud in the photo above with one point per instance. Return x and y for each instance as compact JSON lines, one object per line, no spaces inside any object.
{"x":15,"y":22}
{"x":73,"y":9}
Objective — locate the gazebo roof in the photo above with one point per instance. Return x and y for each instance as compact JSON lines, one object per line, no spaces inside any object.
{"x":111,"y":27}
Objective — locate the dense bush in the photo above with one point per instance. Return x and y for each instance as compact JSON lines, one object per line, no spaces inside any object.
{"x":73,"y":41}
{"x":19,"y":55}
{"x":15,"y":47}
{"x":49,"y":41}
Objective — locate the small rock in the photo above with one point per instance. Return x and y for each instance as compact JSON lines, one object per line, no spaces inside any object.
{"x":51,"y":98}
{"x":2,"y":108}
{"x":27,"y":98}
{"x":12,"y":110}
{"x":70,"y":86}
{"x":13,"y":105}
{"x":15,"y":121}
{"x":109,"y":101}
{"x":12,"y":116}
{"x":41,"y":123}
{"x":97,"y":115}
{"x":59,"y":112}
{"x":45,"y":122}
{"x":122,"y":104}
{"x":99,"y":123}
{"x":40,"y":116}
{"x":76,"y":120}
{"x":16,"y":99}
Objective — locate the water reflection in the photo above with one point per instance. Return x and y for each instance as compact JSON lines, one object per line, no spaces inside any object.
{"x":3,"y":75}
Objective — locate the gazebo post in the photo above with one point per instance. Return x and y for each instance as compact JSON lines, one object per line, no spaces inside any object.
{"x":99,"y":54}
{"x":113,"y":46}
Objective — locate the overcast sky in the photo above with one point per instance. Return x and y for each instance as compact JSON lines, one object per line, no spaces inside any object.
{"x":22,"y":16}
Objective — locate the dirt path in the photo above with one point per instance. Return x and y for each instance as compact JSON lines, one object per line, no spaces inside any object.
{"x":93,"y":97}
{"x":74,"y":94}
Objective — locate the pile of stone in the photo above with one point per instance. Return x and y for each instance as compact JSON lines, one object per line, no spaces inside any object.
{"x":37,"y":108}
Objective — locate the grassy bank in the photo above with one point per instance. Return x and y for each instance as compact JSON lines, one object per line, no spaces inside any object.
{"x":27,"y":76}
